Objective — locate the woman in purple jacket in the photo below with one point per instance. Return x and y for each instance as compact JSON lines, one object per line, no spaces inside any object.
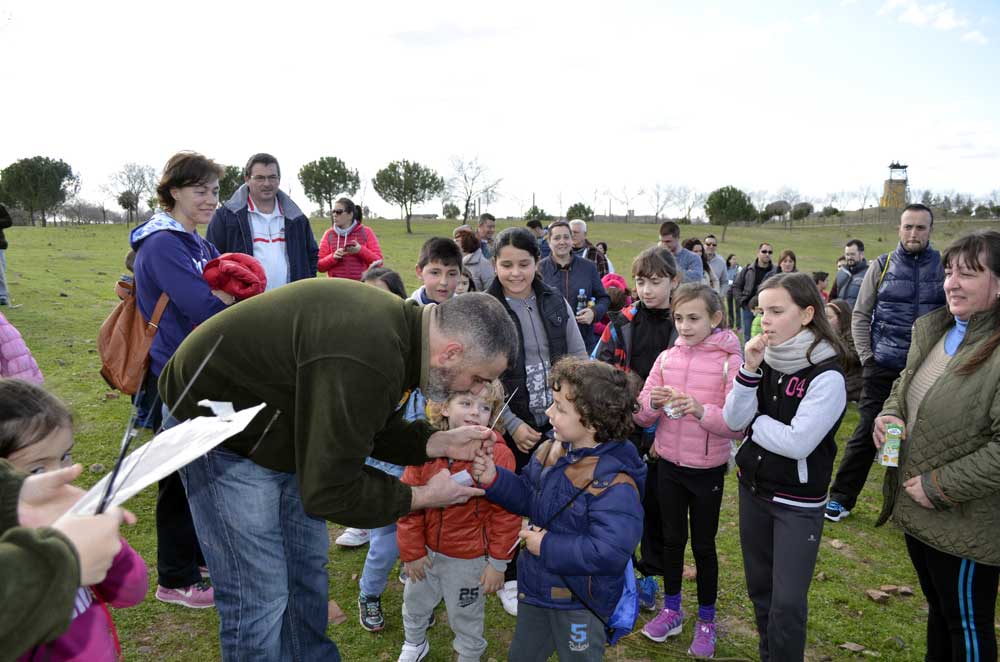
{"x":169,"y":258}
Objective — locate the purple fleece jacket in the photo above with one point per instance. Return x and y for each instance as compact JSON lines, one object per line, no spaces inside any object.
{"x":170,"y":259}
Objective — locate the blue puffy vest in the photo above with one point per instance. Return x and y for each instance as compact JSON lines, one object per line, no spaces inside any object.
{"x":913,"y":285}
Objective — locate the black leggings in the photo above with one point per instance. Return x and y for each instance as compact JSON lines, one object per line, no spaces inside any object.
{"x":961,"y":599}
{"x":683,"y":491}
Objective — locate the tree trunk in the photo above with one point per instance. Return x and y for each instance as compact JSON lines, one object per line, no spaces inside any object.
{"x":44,"y":220}
{"x":725,"y":226}
{"x":407,"y":214}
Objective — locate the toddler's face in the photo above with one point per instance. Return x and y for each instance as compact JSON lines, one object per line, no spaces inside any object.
{"x":467,"y":409}
{"x":49,"y":454}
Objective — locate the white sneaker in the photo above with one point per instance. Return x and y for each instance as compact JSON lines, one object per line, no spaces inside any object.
{"x":508,"y":597}
{"x":414,"y":652}
{"x":353,"y":537}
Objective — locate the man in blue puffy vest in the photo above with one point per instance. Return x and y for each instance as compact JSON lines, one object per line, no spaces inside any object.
{"x":899,"y":287}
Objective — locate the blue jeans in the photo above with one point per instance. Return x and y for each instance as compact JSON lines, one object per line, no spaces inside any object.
{"x":267,"y":557}
{"x":746,"y":316}
{"x":383,"y":551}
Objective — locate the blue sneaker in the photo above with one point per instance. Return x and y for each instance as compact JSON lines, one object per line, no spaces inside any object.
{"x":648,"y":588}
{"x":835,"y":512}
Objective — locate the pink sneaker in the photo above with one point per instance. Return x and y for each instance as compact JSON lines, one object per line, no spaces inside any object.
{"x":195,"y":596}
{"x":667,"y":623}
{"x":704,"y":640}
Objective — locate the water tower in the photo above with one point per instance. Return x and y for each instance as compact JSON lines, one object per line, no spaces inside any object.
{"x":896,"y":190}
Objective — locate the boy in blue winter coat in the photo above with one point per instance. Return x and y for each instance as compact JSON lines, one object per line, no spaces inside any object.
{"x":582,"y":493}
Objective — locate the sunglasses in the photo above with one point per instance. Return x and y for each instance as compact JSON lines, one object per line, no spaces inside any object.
{"x":338,"y":212}
{"x":767,"y":252}
{"x":711,"y":245}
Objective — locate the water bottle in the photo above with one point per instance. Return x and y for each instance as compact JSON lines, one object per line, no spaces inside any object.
{"x":581,"y":300}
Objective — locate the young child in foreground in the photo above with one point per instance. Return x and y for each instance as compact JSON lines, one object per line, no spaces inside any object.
{"x":36,"y":436}
{"x":458,"y":553}
{"x":692,"y":444}
{"x":582,"y":493}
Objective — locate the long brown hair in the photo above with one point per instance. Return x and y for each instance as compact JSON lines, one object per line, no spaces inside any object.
{"x":804,"y":293}
{"x":843,"y":311}
{"x":979,"y":250}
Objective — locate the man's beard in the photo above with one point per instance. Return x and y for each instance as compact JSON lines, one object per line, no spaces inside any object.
{"x":438,"y":386}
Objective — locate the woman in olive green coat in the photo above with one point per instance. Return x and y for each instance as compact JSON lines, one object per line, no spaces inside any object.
{"x":945,"y":494}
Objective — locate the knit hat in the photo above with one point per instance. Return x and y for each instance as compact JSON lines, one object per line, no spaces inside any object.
{"x":614,"y":280}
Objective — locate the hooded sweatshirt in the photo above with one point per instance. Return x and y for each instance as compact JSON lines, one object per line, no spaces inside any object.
{"x":705,"y":371}
{"x":352,"y":265}
{"x":170,"y":259}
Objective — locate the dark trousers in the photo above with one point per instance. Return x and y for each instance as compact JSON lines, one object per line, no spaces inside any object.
{"x":860,"y":451}
{"x":694,"y":495}
{"x":575,"y":634}
{"x":961,"y":598}
{"x":521,"y":460}
{"x":178,"y":554}
{"x":779,"y":546}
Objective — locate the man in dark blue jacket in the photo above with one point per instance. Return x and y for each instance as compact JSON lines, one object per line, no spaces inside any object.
{"x":571,"y":274}
{"x":262,"y":221}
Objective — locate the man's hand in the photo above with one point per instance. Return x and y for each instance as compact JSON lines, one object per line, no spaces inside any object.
{"x":526,"y":437}
{"x":532,"y":539}
{"x":96,"y":541}
{"x":878,"y":432}
{"x":753,"y":352}
{"x":491,"y":580}
{"x":441,"y":491}
{"x":585,"y":316}
{"x":44,"y":498}
{"x":417,"y":570}
{"x":460,"y":443}
{"x":915,"y":488}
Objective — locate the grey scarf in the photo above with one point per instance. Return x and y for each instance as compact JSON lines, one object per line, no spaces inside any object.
{"x":790,"y":356}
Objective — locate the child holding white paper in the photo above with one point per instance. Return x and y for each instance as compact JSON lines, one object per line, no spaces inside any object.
{"x":458,"y":553}
{"x":36,"y":436}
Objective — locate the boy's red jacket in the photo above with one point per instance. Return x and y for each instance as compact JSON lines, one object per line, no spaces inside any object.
{"x":465,"y":531}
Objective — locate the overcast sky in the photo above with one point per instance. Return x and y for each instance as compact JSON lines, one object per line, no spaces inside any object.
{"x":566,"y":100}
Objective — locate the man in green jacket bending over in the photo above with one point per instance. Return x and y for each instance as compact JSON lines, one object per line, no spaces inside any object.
{"x":333,"y":360}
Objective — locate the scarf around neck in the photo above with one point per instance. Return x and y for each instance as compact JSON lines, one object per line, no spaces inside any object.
{"x":790,"y":356}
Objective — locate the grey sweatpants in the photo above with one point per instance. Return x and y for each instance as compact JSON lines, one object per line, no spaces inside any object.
{"x":779,"y":546}
{"x":573,"y":634}
{"x":457,"y":582}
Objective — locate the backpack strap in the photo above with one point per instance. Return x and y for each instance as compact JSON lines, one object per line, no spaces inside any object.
{"x":885,"y":268}
{"x":161,"y":305}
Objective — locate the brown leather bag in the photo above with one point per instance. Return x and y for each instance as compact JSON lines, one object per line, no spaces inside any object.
{"x":124,"y":340}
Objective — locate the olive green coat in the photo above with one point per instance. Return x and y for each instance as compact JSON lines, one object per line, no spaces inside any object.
{"x":954,"y":446}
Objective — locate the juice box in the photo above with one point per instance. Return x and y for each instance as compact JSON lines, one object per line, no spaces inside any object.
{"x":890,"y":449}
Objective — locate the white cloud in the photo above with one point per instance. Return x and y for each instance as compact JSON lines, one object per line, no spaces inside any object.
{"x":940,"y":16}
{"x":976,"y":37}
{"x":948,"y":20}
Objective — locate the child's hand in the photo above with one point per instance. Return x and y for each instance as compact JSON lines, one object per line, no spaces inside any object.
{"x":483,"y":468}
{"x":491,"y":580}
{"x":687,"y":404}
{"x":532,"y":539}
{"x":659,"y":396}
{"x":417,"y":570}
{"x":526,"y":437}
{"x":753,"y":352}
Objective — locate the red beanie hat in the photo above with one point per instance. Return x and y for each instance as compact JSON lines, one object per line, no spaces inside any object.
{"x":614,"y":280}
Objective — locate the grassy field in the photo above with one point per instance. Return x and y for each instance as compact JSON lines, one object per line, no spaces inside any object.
{"x":61,"y":280}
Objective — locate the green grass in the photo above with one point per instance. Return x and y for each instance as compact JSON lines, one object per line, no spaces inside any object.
{"x":82,"y":263}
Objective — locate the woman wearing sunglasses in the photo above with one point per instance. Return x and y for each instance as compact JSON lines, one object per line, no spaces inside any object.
{"x":348,"y":248}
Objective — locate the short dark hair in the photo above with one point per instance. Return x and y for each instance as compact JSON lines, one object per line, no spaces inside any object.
{"x":916,"y":206}
{"x":262,"y":158}
{"x":604,"y":396}
{"x":185,"y":169}
{"x":856,"y":242}
{"x":487,"y":217}
{"x":604,"y":245}
{"x":820,"y":276}
{"x":472,"y":281}
{"x":28,"y":414}
{"x":534,"y":223}
{"x":670,"y":228}
{"x":440,"y":249}
{"x":711,"y":236}
{"x":655,"y":261}
{"x":392,"y":280}
{"x":559,"y":224}
{"x":482,"y":323}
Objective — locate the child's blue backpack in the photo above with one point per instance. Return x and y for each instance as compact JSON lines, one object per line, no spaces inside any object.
{"x":626,"y":612}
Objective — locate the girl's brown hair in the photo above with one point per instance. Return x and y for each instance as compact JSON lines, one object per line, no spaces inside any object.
{"x":802,"y":290}
{"x":28,"y":414}
{"x":493,"y":392}
{"x":979,"y":250}
{"x":789,"y":253}
{"x":698,"y":291}
{"x":843,"y":311}
{"x":655,"y":261}
{"x":605,"y":397}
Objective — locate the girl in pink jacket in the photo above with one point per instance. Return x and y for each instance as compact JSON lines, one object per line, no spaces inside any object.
{"x":16,"y":360}
{"x":684,"y":394}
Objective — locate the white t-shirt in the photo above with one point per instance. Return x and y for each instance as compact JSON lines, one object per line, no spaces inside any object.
{"x":269,"y":242}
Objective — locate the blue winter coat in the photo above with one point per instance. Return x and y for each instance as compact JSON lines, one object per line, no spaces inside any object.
{"x":170,"y":259}
{"x":230,"y":232}
{"x":581,"y":274}
{"x":588,"y":544}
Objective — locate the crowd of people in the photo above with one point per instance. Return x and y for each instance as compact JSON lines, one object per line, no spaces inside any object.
{"x":527,"y":423}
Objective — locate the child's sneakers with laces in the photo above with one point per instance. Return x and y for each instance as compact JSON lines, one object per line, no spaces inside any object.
{"x":370,"y":611}
{"x":704,"y":640}
{"x":195,"y":596}
{"x":414,"y":652}
{"x":667,"y":623}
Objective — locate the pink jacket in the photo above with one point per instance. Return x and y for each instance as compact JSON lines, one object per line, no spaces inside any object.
{"x":15,"y":357}
{"x":352,"y":265}
{"x":705,"y":371}
{"x":89,"y":636}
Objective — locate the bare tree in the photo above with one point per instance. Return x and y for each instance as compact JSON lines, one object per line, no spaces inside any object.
{"x":686,"y":199}
{"x":659,"y":195}
{"x":137,"y":181}
{"x":865,"y":193}
{"x":471,"y":181}
{"x":624,"y":197}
